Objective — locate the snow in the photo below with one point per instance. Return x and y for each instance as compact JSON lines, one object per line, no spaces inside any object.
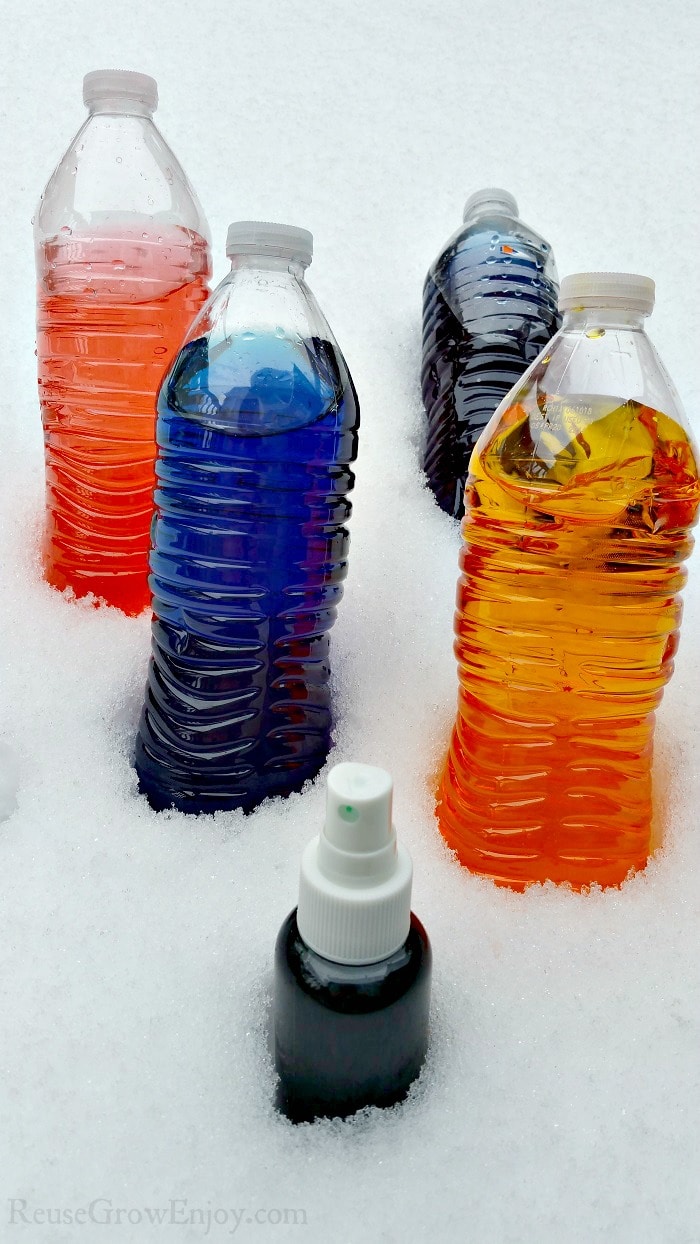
{"x":561,"y":1100}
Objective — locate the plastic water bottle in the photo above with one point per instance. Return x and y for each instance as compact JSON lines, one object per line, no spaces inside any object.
{"x":581,"y":496}
{"x":257,"y":428}
{"x":489,"y":307}
{"x":122,"y":257}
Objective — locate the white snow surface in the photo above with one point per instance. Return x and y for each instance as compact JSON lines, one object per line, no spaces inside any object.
{"x":561,"y":1098}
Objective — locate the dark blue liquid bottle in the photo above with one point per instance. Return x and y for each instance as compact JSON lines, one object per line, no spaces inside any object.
{"x":257,"y":427}
{"x":489,"y":308}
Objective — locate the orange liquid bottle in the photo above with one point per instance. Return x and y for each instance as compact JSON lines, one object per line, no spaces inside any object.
{"x":123,"y":261}
{"x":580,"y":499}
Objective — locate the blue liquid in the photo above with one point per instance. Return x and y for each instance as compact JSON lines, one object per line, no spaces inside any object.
{"x":247,"y":567}
{"x":488,"y":310}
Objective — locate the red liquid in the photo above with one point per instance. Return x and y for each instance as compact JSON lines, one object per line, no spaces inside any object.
{"x":112,"y":311}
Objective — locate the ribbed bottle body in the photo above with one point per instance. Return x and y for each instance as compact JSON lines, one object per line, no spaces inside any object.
{"x":578,"y":521}
{"x":113,"y":306}
{"x":489,"y":308}
{"x":247,"y":568}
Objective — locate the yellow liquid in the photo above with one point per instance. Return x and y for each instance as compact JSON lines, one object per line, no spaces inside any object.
{"x":578,"y":513}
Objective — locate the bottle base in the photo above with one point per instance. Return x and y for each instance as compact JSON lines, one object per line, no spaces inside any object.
{"x":517,"y":871}
{"x":544,"y":872}
{"x":128,"y":593}
{"x":312,"y":1110}
{"x":198,"y":800}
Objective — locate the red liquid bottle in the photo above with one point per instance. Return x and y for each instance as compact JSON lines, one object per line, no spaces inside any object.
{"x":123,"y":260}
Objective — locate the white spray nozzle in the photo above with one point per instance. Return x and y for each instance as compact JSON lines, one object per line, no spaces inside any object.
{"x":355,"y":885}
{"x":358,"y":807}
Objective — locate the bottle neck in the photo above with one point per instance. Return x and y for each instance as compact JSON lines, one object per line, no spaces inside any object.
{"x":120,"y":107}
{"x":264,"y":262}
{"x":586,"y":318}
{"x":488,"y":207}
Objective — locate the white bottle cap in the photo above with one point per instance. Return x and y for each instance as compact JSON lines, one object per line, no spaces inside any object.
{"x":113,"y":85}
{"x":253,"y":237}
{"x":355,"y":883}
{"x":607,"y":289}
{"x":490,"y":200}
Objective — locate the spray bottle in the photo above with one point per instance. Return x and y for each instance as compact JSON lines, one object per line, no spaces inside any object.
{"x":352,"y":963}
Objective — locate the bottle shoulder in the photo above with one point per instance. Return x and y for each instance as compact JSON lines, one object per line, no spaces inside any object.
{"x":593,"y":430}
{"x":261,"y":360}
{"x":495,"y":239}
{"x":613,"y":361}
{"x":495,"y":276}
{"x":118,"y":168}
{"x":353,"y":988}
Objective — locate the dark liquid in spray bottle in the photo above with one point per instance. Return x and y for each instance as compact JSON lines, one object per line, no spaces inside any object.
{"x":351,"y":1024}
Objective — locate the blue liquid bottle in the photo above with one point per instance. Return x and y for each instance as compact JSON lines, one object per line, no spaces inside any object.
{"x":257,"y":428}
{"x":489,"y":308}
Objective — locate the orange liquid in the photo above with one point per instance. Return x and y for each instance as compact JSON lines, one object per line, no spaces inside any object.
{"x":112,"y":311}
{"x":576,"y":530}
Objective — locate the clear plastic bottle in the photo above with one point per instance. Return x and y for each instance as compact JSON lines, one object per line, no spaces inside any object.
{"x":256,"y":432}
{"x":123,"y":261}
{"x":489,"y":308}
{"x":581,"y":495}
